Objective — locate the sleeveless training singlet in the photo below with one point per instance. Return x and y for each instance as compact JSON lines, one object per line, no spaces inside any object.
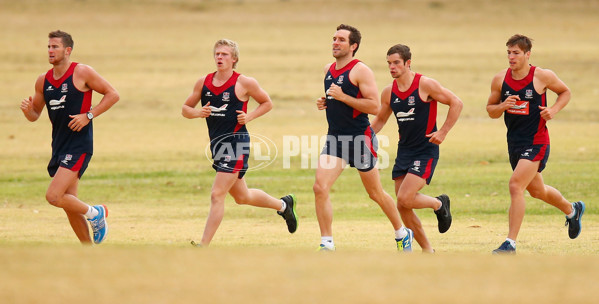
{"x":415,"y":117}
{"x":63,"y":99}
{"x":525,"y":126}
{"x":343,"y":119}
{"x":223,"y":103}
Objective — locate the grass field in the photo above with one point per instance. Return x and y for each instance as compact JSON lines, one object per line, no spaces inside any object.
{"x":149,"y":165}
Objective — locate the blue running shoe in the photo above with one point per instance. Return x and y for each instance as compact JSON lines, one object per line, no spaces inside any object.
{"x":98,"y":224}
{"x":405,"y":244}
{"x":324,"y":248}
{"x":575,"y":223}
{"x":505,"y":248}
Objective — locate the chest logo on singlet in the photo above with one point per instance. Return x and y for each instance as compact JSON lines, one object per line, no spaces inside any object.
{"x":226,"y":97}
{"x":208,"y":94}
{"x":329,"y":77}
{"x":57,"y":104}
{"x":396,"y":100}
{"x":411,"y":101}
{"x":405,"y":114}
{"x":520,"y":108}
{"x":215,"y":109}
{"x":50,"y":88}
{"x":65,"y":88}
{"x":528,"y":94}
{"x":340,"y":80}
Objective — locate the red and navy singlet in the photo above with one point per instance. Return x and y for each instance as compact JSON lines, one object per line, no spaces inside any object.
{"x":223,"y":103}
{"x":343,"y":119}
{"x":525,"y":126}
{"x":415,"y":117}
{"x":63,"y":99}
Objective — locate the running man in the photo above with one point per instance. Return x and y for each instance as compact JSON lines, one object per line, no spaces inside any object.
{"x":66,"y":90}
{"x":412,"y":98}
{"x":351,"y":94}
{"x":519,"y":94}
{"x":224,"y":97}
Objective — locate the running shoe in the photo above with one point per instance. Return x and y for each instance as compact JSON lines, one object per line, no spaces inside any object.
{"x":443,"y":214}
{"x":289,"y":213}
{"x":575,"y":223}
{"x":405,"y":244}
{"x":505,"y":248}
{"x":324,"y":248}
{"x":98,"y":223}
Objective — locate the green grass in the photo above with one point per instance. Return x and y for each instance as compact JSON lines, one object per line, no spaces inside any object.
{"x":149,"y":165}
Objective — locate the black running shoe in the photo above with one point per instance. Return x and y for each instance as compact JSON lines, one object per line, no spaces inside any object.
{"x":574,"y":224}
{"x":443,"y":214}
{"x":289,"y":213}
{"x":505,"y":248}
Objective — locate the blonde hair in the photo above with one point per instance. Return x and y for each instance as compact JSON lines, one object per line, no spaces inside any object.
{"x":231,"y":44}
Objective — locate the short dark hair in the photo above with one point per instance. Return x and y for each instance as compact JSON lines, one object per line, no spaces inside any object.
{"x":523,"y":42}
{"x":354,"y":35}
{"x":67,"y":40}
{"x":402,"y":50}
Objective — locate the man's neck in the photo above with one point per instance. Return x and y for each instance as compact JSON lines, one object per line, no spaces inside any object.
{"x":520,"y":73}
{"x":61,"y":68}
{"x":404,"y":82}
{"x":342,"y":62}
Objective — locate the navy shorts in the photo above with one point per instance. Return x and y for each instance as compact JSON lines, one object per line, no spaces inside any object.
{"x":533,"y":153}
{"x":74,"y":162}
{"x":359,"y":151}
{"x":231,"y":154}
{"x":420,"y":165}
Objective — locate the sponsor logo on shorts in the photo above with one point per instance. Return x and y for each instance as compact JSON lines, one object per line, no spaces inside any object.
{"x":67,"y":159}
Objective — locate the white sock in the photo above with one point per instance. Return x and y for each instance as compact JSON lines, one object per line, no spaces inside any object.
{"x":439,"y":205}
{"x":91,"y":212}
{"x":571,"y":215}
{"x":401,"y":233}
{"x":512,"y":242}
{"x":327,"y":241}
{"x":283,"y":206}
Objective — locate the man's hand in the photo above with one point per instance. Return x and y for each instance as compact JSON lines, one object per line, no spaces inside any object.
{"x":78,"y":122}
{"x":321,"y":103}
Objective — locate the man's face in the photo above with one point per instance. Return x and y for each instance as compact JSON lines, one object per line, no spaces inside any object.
{"x":223,"y":57}
{"x":341,"y":46}
{"x":517,"y":58}
{"x":397,"y":67}
{"x":56,"y":51}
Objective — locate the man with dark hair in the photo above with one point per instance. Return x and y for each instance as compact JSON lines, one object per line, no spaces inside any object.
{"x":66,"y":90}
{"x":351,"y":94}
{"x":412,"y":98}
{"x":519,"y":94}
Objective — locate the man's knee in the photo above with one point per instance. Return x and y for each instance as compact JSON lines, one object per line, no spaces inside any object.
{"x":405,"y":201}
{"x":54,"y":198}
{"x":320,"y":189}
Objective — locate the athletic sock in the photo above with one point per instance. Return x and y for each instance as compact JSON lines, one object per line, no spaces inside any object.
{"x":512,"y":242}
{"x":401,"y":233}
{"x":91,"y":212}
{"x":571,"y":215}
{"x":283,"y":206}
{"x":327,"y":241}
{"x":439,"y":205}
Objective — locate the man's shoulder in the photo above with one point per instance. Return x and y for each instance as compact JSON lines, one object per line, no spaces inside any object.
{"x":83,"y":70}
{"x":500,"y":76}
{"x":544,"y":74}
